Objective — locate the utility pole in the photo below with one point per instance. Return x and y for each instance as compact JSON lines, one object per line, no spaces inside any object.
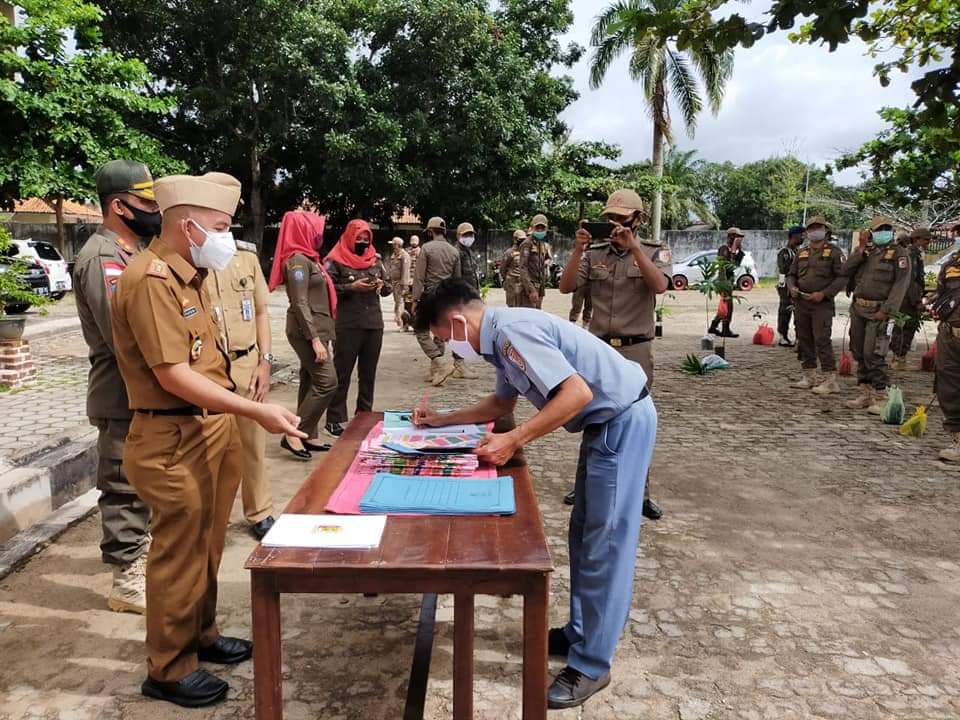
{"x":806,"y":187}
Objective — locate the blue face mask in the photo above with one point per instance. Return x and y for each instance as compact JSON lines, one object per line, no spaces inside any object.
{"x":883,"y":237}
{"x":539,"y":234}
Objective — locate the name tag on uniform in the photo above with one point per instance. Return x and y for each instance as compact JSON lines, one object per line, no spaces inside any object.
{"x":189,"y":312}
{"x":246,"y":307}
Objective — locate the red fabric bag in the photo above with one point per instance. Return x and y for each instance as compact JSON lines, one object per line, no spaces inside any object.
{"x":928,"y":362}
{"x":846,"y":364}
{"x":723,"y":309}
{"x":763,"y":335}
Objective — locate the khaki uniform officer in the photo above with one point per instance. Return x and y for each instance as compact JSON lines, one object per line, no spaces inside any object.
{"x":398,"y":270}
{"x":510,"y":270}
{"x":903,"y":334}
{"x":438,"y":260}
{"x":624,"y":277}
{"x":129,"y":213}
{"x":183,"y":452}
{"x":882,"y":269}
{"x":534,"y":258}
{"x":946,"y":309}
{"x":239,"y":297}
{"x":815,"y":278}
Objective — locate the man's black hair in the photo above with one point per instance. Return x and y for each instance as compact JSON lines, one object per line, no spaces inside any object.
{"x":449,"y":294}
{"x":105,"y":200}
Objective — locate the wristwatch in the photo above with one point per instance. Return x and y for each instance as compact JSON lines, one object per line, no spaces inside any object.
{"x":269,"y":357}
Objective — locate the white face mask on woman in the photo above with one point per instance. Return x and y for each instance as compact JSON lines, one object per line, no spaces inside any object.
{"x":463,"y":348}
{"x":217,"y":250}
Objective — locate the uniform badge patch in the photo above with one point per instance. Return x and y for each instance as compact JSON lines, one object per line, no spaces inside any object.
{"x":827,"y":252}
{"x":298,"y":274}
{"x":511,"y":354}
{"x":888,"y":255}
{"x":665,"y":256}
{"x":158,"y":268}
{"x":196,"y":349}
{"x":189,"y":312}
{"x":952,"y":272}
{"x":903,"y":263}
{"x":804,"y":254}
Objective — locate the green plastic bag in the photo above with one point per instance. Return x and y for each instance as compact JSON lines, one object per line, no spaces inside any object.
{"x":894,"y":410}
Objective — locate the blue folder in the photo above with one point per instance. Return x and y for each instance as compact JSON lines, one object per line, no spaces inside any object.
{"x":428,"y":495}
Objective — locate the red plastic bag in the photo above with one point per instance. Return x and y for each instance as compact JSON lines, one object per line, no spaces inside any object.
{"x":723,"y":309}
{"x":763,"y":335}
{"x":846,"y":364}
{"x":928,"y":362}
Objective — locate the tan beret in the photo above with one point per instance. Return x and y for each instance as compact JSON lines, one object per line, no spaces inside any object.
{"x":215,"y":190}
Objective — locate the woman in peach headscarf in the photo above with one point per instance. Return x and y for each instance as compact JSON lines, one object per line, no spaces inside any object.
{"x":310,"y":322}
{"x":360,"y":280}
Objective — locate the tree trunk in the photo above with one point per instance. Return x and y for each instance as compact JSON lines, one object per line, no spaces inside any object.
{"x":6,"y":10}
{"x":61,"y":230}
{"x":658,"y":119}
{"x":258,"y":210}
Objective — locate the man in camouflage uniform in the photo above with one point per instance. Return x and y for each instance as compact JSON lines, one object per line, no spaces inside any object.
{"x":510,"y":270}
{"x":534,"y":257}
{"x":946,"y":309}
{"x":130,"y":214}
{"x":903,"y":334}
{"x":815,"y":278}
{"x":882,"y":269}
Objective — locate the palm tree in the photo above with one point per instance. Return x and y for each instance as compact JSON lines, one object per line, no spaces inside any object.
{"x":662,"y":68}
{"x":687,"y":197}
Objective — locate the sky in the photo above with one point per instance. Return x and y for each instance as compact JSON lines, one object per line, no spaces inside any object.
{"x":782,"y":98}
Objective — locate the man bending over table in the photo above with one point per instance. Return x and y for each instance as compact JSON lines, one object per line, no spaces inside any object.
{"x":579,"y":382}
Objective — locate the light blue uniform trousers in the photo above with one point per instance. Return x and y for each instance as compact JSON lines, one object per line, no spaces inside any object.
{"x":604,"y":533}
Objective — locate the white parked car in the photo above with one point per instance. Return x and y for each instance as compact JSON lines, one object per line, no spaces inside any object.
{"x":52,"y":262}
{"x":689,"y":271}
{"x":938,"y":265}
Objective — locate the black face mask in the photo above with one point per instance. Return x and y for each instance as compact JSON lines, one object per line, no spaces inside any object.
{"x":360,"y":248}
{"x":143,"y":224}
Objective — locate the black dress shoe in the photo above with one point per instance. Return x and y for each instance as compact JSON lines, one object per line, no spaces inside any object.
{"x":557,"y":643}
{"x":651,"y":510}
{"x":299,"y":454}
{"x":786,"y":343}
{"x":263,"y":527}
{"x":226,"y":651}
{"x":198,"y":689}
{"x":570,"y":497}
{"x":729,"y":334}
{"x":335,"y":429}
{"x":572,"y":688}
{"x":313,"y":447}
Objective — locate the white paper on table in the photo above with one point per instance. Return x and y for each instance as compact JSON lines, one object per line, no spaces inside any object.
{"x":326,"y":531}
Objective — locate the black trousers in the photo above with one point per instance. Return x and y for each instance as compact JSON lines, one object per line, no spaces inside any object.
{"x":360,"y":349}
{"x":784,"y":312}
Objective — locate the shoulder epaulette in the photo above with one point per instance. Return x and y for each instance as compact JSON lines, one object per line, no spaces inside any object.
{"x":246,"y":246}
{"x":158,"y":268}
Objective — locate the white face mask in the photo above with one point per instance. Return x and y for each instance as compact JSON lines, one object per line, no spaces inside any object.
{"x":467,"y":240}
{"x":217,"y":250}
{"x":463,"y":348}
{"x":817,"y":235}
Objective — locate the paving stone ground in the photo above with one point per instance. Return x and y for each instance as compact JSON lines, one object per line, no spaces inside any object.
{"x":806,"y":567}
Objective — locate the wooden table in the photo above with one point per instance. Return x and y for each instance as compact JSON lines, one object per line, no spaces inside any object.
{"x":463,"y":556}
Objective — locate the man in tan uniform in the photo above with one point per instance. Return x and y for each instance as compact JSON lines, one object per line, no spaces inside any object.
{"x":882,"y":269}
{"x":534,"y":257}
{"x":183,"y":453}
{"x":903,"y":334}
{"x":414,"y":251}
{"x":510,"y":270}
{"x":815,"y":278}
{"x":398,"y":270}
{"x":946,"y":309}
{"x":623,"y":275}
{"x":130,"y":213}
{"x":239,"y":296}
{"x":438,"y":261}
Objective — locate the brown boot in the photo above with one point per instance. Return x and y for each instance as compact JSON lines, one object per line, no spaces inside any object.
{"x":862,"y":400}
{"x":439,"y":371}
{"x":877,"y":401}
{"x":952,"y":453}
{"x":129,"y":591}
{"x":829,"y":386}
{"x":808,"y":381}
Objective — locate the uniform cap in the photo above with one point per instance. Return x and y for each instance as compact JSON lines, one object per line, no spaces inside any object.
{"x":921,"y":233}
{"x":795,"y":230}
{"x":414,"y":241}
{"x":820,"y":220}
{"x":464,"y":228}
{"x":519,"y":235}
{"x":215,"y":190}
{"x":436,"y":223}
{"x":397,"y":241}
{"x":125,"y":176}
{"x":539,"y":220}
{"x":880,"y":221}
{"x":623,"y":202}
{"x":734,"y":231}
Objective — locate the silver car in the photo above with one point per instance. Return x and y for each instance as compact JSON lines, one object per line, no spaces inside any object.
{"x":689,"y":271}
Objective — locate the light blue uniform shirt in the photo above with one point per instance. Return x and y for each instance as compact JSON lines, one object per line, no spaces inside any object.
{"x":534,"y":352}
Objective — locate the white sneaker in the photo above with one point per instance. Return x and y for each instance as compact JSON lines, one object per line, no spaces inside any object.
{"x":129,"y":591}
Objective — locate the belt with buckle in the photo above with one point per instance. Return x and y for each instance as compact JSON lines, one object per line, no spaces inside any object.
{"x":870,"y":305}
{"x":237,"y":354}
{"x":178,"y":412}
{"x":625,"y":341}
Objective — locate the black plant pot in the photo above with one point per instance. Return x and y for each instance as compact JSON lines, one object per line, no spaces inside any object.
{"x":658,"y":331}
{"x":721,"y":351}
